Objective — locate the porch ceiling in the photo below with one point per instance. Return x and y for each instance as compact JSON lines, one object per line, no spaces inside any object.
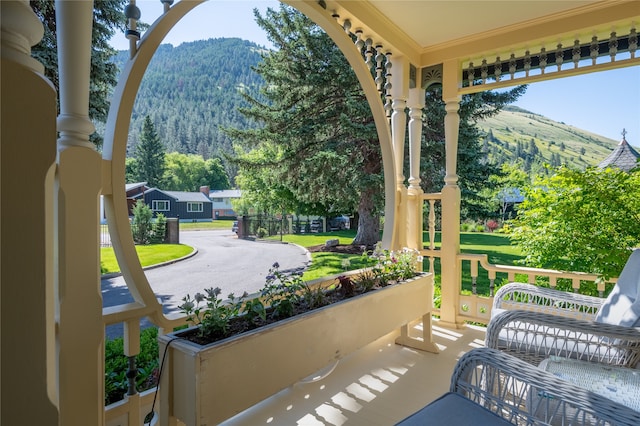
{"x":431,"y":31}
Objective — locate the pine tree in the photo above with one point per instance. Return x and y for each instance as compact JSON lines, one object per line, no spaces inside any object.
{"x":318,"y":150}
{"x":149,"y":155}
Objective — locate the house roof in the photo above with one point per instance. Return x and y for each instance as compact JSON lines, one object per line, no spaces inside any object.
{"x":129,"y":186}
{"x":180,"y":196}
{"x":623,"y":157}
{"x":225,"y":193}
{"x":187,"y":196}
{"x":511,"y":195}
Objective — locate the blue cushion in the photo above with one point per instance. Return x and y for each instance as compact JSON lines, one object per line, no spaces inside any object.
{"x":453,"y":409}
{"x":622,"y":306}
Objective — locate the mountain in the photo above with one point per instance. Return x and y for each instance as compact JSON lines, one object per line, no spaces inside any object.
{"x":535,"y":139}
{"x":191,"y":90}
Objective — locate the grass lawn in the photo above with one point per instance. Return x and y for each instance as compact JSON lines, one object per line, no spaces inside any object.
{"x":151,"y":254}
{"x":496,"y":246}
{"x":214,"y":224}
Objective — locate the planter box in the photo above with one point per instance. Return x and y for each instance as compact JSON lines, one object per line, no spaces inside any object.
{"x":204,"y":385}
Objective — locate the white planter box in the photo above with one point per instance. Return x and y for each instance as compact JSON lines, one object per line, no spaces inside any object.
{"x":204,"y":385}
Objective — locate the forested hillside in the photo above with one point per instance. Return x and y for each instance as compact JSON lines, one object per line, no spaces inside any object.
{"x":189,"y":91}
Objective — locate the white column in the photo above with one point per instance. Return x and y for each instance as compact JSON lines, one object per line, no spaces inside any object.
{"x":27,"y":161}
{"x":80,"y":330}
{"x":451,"y":273}
{"x":414,"y":213}
{"x":399,"y":95}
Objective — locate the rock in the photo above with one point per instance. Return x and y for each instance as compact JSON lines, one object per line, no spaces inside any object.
{"x":332,"y":243}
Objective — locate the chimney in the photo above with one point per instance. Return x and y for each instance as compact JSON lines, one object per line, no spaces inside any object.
{"x":205,"y":190}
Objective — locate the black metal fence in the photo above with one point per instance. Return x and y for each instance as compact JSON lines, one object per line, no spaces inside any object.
{"x":261,"y":226}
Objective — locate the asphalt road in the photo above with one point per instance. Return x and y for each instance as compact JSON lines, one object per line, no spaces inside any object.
{"x":223,"y":260}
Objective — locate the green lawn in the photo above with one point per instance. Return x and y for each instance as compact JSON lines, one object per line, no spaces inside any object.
{"x":214,"y":224}
{"x":151,"y":254}
{"x":496,"y":246}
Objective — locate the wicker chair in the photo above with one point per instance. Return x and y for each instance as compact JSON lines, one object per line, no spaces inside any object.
{"x":533,"y":323}
{"x":534,"y":336}
{"x":489,"y":387}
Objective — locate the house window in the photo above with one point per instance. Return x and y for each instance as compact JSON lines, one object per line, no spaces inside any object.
{"x":194,"y":207}
{"x":217,"y":200}
{"x":160,"y":205}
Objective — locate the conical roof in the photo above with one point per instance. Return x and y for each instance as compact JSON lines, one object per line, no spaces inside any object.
{"x":623,"y":157}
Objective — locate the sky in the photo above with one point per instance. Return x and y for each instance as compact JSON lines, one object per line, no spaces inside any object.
{"x":603,"y":103}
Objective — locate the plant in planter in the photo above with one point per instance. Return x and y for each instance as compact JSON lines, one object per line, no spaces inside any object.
{"x":288,"y":331}
{"x":286,"y":295}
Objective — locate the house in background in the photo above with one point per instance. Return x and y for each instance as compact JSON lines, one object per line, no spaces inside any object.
{"x":131,"y":190}
{"x":221,"y":203}
{"x":186,"y":206}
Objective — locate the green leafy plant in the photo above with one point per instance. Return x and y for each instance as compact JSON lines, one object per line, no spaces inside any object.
{"x":207,"y":311}
{"x":285,"y":295}
{"x":116,"y":365}
{"x":281,"y":291}
{"x":261,"y":233}
{"x":393,"y":266}
{"x":580,"y":220}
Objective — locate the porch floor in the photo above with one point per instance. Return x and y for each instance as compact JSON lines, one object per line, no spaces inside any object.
{"x":380,"y":384}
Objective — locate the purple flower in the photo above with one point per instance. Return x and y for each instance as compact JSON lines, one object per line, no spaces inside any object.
{"x":276,"y":265}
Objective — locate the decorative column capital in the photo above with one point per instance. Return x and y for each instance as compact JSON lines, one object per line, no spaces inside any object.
{"x":21,"y":29}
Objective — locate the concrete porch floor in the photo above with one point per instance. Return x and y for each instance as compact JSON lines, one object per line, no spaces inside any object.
{"x":380,"y":384}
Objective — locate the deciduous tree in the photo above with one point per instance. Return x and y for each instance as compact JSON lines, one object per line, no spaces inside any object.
{"x":580,"y":221}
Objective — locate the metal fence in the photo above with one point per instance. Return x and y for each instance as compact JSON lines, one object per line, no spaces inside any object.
{"x":260,"y":224}
{"x":105,"y":238}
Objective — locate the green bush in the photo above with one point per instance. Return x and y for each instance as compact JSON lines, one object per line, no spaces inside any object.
{"x":159,"y":230}
{"x":141,"y":226}
{"x":261,"y":232}
{"x":116,"y":365}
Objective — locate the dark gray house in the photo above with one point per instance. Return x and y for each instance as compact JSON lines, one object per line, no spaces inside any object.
{"x":186,"y":206}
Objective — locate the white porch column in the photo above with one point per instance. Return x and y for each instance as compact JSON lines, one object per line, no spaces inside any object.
{"x":414,"y":213}
{"x":27,"y":161}
{"x":399,"y":95}
{"x":450,"y":269}
{"x":80,"y":330}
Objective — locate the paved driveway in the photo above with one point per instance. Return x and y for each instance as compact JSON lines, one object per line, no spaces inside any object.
{"x":223,"y":260}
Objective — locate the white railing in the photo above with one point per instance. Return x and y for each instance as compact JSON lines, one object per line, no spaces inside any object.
{"x":133,"y":408}
{"x":474,"y":307}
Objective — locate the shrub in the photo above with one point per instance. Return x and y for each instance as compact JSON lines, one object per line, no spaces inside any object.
{"x":141,"y":226}
{"x":261,"y":232}
{"x":492,"y":225}
{"x":116,"y":365}
{"x":159,"y":231}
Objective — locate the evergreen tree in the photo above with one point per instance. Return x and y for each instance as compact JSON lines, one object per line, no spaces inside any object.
{"x":318,"y":151}
{"x":150,"y":155}
{"x":108,"y":17}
